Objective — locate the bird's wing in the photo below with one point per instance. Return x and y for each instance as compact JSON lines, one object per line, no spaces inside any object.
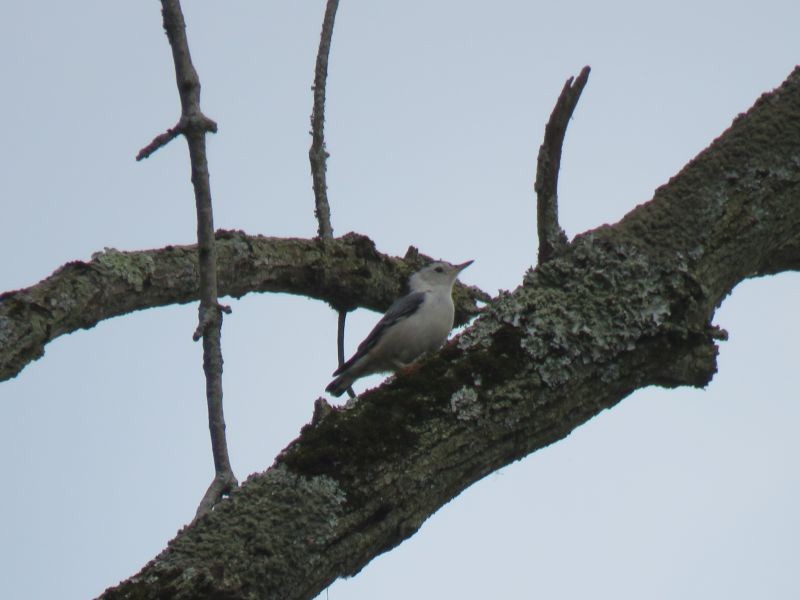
{"x":402,"y":308}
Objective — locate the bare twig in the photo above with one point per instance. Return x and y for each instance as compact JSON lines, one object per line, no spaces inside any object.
{"x":317,"y":154}
{"x":551,"y":237}
{"x":194,"y":125}
{"x":170,"y":134}
{"x":340,"y":346}
{"x":159,"y":141}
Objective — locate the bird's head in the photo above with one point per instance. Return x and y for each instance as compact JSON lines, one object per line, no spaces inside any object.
{"x":439,"y":274}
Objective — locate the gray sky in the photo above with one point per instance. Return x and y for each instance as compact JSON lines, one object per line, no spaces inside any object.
{"x":435,"y":113}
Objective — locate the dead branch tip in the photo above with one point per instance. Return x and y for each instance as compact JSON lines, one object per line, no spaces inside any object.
{"x":551,"y":236}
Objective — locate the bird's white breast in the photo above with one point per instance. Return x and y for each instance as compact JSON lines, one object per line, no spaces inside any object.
{"x":424,"y":331}
{"x":428,"y":328}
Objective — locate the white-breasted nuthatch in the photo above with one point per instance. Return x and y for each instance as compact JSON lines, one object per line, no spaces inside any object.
{"x":416,"y":323}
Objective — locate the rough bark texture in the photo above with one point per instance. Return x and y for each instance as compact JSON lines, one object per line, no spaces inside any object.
{"x":623,"y":307}
{"x":347,"y":272}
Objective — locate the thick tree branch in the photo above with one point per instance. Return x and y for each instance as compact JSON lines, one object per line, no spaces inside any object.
{"x":317,"y":154}
{"x":347,"y":273}
{"x":552,"y":238}
{"x":623,"y":307}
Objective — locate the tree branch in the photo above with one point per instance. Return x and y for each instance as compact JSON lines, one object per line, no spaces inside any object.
{"x":340,"y":345}
{"x":194,"y":125}
{"x":552,"y":238}
{"x":622,"y":307}
{"x":346,"y":272}
{"x":162,"y":140}
{"x":317,"y":154}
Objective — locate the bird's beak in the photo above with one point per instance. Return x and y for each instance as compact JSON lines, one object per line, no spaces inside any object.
{"x":463,"y":266}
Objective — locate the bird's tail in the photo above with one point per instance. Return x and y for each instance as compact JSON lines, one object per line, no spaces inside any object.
{"x":338,"y":386}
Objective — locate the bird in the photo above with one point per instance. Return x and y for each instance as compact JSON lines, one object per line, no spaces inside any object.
{"x":415,"y":324}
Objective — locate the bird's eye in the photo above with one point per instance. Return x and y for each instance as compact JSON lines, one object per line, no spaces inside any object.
{"x":439,"y":269}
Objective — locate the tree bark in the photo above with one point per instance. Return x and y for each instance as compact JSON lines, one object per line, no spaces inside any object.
{"x":623,"y":307}
{"x":347,"y":272}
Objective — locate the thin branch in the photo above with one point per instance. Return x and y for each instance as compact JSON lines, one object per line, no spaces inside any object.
{"x":551,"y":237}
{"x":317,"y":154}
{"x":194,"y":126}
{"x":340,"y":345}
{"x":170,"y":134}
{"x":160,"y":141}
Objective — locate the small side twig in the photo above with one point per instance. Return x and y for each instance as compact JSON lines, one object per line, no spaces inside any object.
{"x":170,"y":134}
{"x":551,"y":236}
{"x":160,"y":141}
{"x":208,"y":316}
{"x":340,"y":346}
{"x":194,"y":125}
{"x":317,"y":154}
